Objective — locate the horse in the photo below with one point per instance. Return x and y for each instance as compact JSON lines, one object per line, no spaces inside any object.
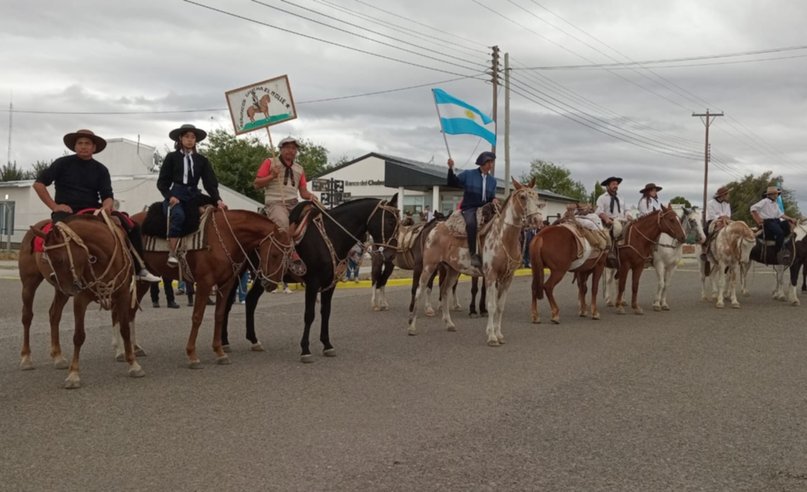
{"x":230,"y":236}
{"x":409,"y":257}
{"x":669,"y":251}
{"x":501,"y":255}
{"x":562,"y":249}
{"x":324,"y":247}
{"x":87,"y":258}
{"x":639,"y":238}
{"x":260,"y":106}
{"x":765,"y":253}
{"x":730,"y":248}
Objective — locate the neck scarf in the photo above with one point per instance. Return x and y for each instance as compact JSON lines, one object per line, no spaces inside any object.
{"x":289,"y":174}
{"x":187,"y":173}
{"x":615,"y":201}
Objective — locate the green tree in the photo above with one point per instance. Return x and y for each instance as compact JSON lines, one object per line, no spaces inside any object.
{"x":10,"y":172}
{"x":555,"y":178}
{"x":37,"y":168}
{"x":596,"y":191}
{"x":236,"y":160}
{"x":683,"y":201}
{"x":750,"y":189}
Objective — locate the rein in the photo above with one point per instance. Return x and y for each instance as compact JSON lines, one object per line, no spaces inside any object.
{"x":632,"y":226}
{"x":513,"y":262}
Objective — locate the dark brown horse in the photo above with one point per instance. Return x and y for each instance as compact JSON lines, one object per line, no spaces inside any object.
{"x":230,"y":236}
{"x":85,"y":257}
{"x":640,"y":238}
{"x":562,"y":250}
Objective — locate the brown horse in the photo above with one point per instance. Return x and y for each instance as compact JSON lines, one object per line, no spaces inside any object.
{"x":562,"y":250}
{"x":230,"y":235}
{"x":85,"y":257}
{"x":640,"y":237}
{"x":501,"y":255}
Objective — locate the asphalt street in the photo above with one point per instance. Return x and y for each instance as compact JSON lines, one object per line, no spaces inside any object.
{"x":691,"y":399}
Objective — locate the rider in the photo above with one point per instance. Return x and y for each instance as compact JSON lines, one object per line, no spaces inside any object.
{"x":776,"y":224}
{"x":480,"y":189}
{"x":280,"y":197}
{"x":718,"y":211}
{"x":649,"y":201}
{"x":81,"y":183}
{"x":179,"y":180}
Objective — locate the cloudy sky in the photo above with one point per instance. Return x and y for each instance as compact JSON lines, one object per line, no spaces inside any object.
{"x":360,"y":72}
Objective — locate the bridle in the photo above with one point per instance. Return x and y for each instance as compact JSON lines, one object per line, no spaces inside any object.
{"x":525,"y":217}
{"x":632,"y":226}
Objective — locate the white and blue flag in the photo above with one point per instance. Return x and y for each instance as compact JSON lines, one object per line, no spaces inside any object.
{"x":457,"y":117}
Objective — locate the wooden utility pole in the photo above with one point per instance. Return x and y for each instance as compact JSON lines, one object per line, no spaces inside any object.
{"x":707,"y":119}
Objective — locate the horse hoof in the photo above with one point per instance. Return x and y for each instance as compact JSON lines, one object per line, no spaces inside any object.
{"x":72,"y":382}
{"x":620,"y":310}
{"x":595,"y":316}
{"x":473,"y":315}
{"x":555,"y":321}
{"x":536,"y":321}
{"x":223,"y":360}
{"x":610,"y":303}
{"x":329,"y":352}
{"x":795,"y":303}
{"x":376,"y":308}
{"x":226,"y":349}
{"x":656,"y":307}
{"x":665,"y":308}
{"x":257,"y":347}
{"x":501,"y":340}
{"x":451,"y":328}
{"x":120,"y":358}
{"x":429,"y":313}
{"x":26,"y":364}
{"x":306,"y":358}
{"x":493,"y":343}
{"x":139,"y":352}
{"x":195,"y":364}
{"x":583,"y":315}
{"x":385,"y":308}
{"x":483,"y":313}
{"x":719,"y":306}
{"x":136,"y":372}
{"x":60,"y":363}
{"x":638,"y":311}
{"x":735,"y":305}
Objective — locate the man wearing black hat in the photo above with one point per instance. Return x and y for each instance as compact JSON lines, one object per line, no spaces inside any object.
{"x":649,"y":202}
{"x":480,"y":188}
{"x":610,"y":206}
{"x":83,"y":183}
{"x":179,"y":181}
{"x":775,"y":223}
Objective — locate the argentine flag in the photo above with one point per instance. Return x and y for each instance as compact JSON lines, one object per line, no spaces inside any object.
{"x":457,"y":117}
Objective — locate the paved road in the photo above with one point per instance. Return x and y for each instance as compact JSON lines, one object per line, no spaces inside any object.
{"x":692,"y":399}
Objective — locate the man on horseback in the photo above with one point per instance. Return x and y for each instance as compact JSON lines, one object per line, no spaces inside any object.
{"x":83,"y":183}
{"x":775,"y":224}
{"x":612,"y":210}
{"x":479,"y":187}
{"x":649,"y":202}
{"x":280,"y":197}
{"x":718,"y":211}
{"x":179,"y":181}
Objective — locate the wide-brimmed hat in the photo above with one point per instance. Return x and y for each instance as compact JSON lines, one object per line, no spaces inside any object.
{"x":288,"y":140}
{"x":650,"y":186}
{"x":177,"y":133}
{"x":484,"y":157}
{"x":772,"y":190}
{"x":608,"y":180}
{"x":722,"y":191}
{"x":70,"y":139}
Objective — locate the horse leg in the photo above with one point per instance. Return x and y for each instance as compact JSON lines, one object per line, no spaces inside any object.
{"x":428,"y":310}
{"x":225,"y":339}
{"x":555,"y":277}
{"x":30,"y":283}
{"x":582,"y":289}
{"x":251,"y":304}
{"x":455,"y":301}
{"x":661,"y":275}
{"x":502,"y":289}
{"x":425,"y":274}
{"x":450,"y":281}
{"x":117,"y":341}
{"x":778,"y":291}
{"x":308,"y":318}
{"x":595,"y":283}
{"x":721,"y":287}
{"x":120,"y":310}
{"x":623,"y":280}
{"x":199,"y":305}
{"x":792,"y":292}
{"x":80,"y":303}
{"x":222,"y":310}
{"x":325,"y":299}
{"x":483,"y":310}
{"x":609,"y":287}
{"x":388,"y":268}
{"x":634,"y":298}
{"x":733,"y":287}
{"x":474,"y":290}
{"x":490,"y":329}
{"x":55,"y":317}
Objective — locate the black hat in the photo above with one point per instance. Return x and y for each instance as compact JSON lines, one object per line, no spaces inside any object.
{"x":485,"y":157}
{"x":608,"y":180}
{"x":650,"y":186}
{"x":70,"y":140}
{"x":176,"y":133}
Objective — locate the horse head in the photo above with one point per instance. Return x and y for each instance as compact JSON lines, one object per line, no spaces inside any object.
{"x":670,"y":224}
{"x":383,"y":224}
{"x":526,"y":204}
{"x":274,"y":252}
{"x":691,"y":219}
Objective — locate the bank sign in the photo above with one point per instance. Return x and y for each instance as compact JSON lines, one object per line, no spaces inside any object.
{"x":261,"y":105}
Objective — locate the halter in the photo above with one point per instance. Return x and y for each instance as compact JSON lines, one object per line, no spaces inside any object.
{"x":524,"y":221}
{"x":101,"y":290}
{"x":632,"y":226}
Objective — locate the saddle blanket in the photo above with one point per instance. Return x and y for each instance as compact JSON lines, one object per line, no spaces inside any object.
{"x":456,"y":223}
{"x":191,"y":242}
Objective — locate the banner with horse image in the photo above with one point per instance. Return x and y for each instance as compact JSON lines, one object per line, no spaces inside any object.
{"x":261,"y":104}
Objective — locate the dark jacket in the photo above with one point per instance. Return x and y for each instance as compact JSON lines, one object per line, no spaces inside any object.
{"x":79,"y":184}
{"x":172,"y":172}
{"x":471,"y":181}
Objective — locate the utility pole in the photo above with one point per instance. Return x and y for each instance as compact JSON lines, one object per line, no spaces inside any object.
{"x":10,"y":121}
{"x":494,"y":72}
{"x":707,"y":119}
{"x":507,"y":183}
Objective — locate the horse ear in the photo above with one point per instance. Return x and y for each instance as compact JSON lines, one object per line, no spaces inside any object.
{"x":394,"y":200}
{"x":532,"y":183}
{"x":516,"y":184}
{"x":38,"y":233}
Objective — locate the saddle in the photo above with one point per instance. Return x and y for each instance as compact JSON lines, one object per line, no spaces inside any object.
{"x":407,"y":236}
{"x":484,"y":216}
{"x":194,"y":241}
{"x":156,"y":223}
{"x":118,"y":218}
{"x":301,"y":216}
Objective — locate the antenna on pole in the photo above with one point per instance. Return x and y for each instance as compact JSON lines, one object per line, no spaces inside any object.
{"x":707,"y":119}
{"x":10,"y":125}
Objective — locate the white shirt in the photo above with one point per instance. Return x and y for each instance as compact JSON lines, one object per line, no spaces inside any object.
{"x":645,"y":209}
{"x":604,"y":206}
{"x":715,"y":209}
{"x":767,"y":209}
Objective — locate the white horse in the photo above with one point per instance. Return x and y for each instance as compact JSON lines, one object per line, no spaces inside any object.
{"x":668,"y":254}
{"x":729,"y":249}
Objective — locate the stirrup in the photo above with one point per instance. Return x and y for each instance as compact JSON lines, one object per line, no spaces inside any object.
{"x":297,"y":267}
{"x":172,"y":260}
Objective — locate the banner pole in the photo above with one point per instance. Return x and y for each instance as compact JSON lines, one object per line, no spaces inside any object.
{"x":440,"y":120}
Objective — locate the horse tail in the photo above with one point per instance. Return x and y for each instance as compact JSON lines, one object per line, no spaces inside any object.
{"x":537,"y":265}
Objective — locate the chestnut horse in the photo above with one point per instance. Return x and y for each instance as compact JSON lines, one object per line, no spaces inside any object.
{"x":324,"y":248}
{"x":501,"y":255}
{"x":561,"y":250}
{"x":85,"y":257}
{"x":639,"y":239}
{"x":230,"y":236}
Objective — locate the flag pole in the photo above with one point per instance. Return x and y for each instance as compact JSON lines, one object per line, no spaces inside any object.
{"x":440,"y":120}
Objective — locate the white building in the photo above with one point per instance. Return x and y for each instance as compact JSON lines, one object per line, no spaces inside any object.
{"x":417,"y":183}
{"x":134,"y":183}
